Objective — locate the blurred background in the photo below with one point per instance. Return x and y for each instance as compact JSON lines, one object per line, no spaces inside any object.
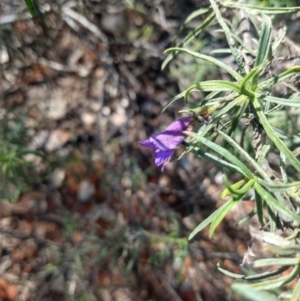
{"x":85,"y":213}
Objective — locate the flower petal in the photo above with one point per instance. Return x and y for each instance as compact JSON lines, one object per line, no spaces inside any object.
{"x":163,"y":157}
{"x":147,"y":143}
{"x":173,"y":135}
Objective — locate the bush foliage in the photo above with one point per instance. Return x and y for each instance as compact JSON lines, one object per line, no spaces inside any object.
{"x":254,"y":109}
{"x":254,"y":114}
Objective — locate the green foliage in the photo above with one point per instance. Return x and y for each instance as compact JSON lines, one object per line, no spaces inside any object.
{"x":15,"y":170}
{"x":246,"y":99}
{"x":31,"y":7}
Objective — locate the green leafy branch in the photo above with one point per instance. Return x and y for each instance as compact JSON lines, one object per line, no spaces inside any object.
{"x":246,"y":100}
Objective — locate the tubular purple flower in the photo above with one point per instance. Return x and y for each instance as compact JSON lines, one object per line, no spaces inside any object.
{"x":166,"y":142}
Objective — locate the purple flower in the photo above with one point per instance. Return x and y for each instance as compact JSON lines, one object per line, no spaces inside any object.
{"x":166,"y":142}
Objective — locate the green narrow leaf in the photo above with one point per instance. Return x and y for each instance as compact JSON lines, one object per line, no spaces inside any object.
{"x":252,"y":294}
{"x":283,"y":250}
{"x":259,"y":208}
{"x":280,"y":101}
{"x":281,"y":77}
{"x":216,"y":160}
{"x":224,"y":153}
{"x":220,"y":114}
{"x":279,"y":39}
{"x":254,"y":277}
{"x":296,"y":292}
{"x":227,"y":191}
{"x":234,"y":50}
{"x":244,"y":46}
{"x":261,"y":9}
{"x":193,"y":15}
{"x":271,"y":238}
{"x":207,"y":58}
{"x":222,"y":213}
{"x":275,"y":283}
{"x":212,"y":85}
{"x":232,"y":104}
{"x":205,"y":223}
{"x":237,"y":117}
{"x":264,"y":44}
{"x":283,"y":168}
{"x":249,"y":76}
{"x":31,"y":7}
{"x":246,"y":218}
{"x":263,"y":153}
{"x":276,"y":261}
{"x":192,"y":35}
{"x":246,"y":156}
{"x":240,"y":191}
{"x":221,"y":51}
{"x":279,"y":187}
{"x":271,"y":284}
{"x":275,"y":205}
{"x":230,"y":274}
{"x":180,"y":95}
{"x":223,"y":99}
{"x":274,"y":137}
{"x":272,"y":220}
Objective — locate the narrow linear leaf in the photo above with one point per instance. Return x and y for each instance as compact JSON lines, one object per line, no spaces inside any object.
{"x":212,"y":85}
{"x":279,"y":39}
{"x":220,"y":114}
{"x":31,"y":7}
{"x":296,"y":292}
{"x":252,"y":294}
{"x":177,"y":97}
{"x":263,"y":153}
{"x":279,"y":187}
{"x":209,"y":59}
{"x":272,"y":220}
{"x":276,"y":261}
{"x":261,"y":9}
{"x":236,"y":102}
{"x":271,"y":284}
{"x":250,"y":75}
{"x":283,"y":250}
{"x":283,"y":168}
{"x":205,"y":223}
{"x":224,"y":153}
{"x":270,"y":238}
{"x":221,"y":51}
{"x":246,"y":156}
{"x":211,"y":95}
{"x":222,"y":213}
{"x":240,"y":191}
{"x":245,"y":48}
{"x":275,"y":283}
{"x":281,"y":77}
{"x":254,"y":277}
{"x":224,"y":98}
{"x":189,"y":38}
{"x":230,"y":274}
{"x":280,"y":101}
{"x":264,"y":44}
{"x":198,"y":29}
{"x":274,"y":137}
{"x":230,"y":40}
{"x":193,"y":15}
{"x":228,"y":191}
{"x":246,"y":218}
{"x":216,"y":160}
{"x":259,"y":208}
{"x":275,"y":205}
